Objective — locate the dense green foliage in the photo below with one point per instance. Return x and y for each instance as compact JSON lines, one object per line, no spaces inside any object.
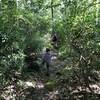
{"x":25,"y":26}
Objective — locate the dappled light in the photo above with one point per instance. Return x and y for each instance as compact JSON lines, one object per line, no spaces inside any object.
{"x":49,"y":49}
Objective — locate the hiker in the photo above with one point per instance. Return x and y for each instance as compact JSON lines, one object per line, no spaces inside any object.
{"x":47,"y":59}
{"x":55,"y":41}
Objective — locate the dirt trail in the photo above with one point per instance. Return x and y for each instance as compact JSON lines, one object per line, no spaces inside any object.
{"x":38,"y":86}
{"x":44,"y":86}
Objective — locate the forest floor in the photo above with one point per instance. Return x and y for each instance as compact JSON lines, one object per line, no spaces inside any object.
{"x":43,"y":87}
{"x":38,"y":86}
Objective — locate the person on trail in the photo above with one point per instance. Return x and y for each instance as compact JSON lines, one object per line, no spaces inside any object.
{"x":47,"y":59}
{"x":55,"y":41}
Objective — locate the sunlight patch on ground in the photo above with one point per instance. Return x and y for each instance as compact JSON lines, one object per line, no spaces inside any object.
{"x":30,"y":84}
{"x":67,"y":68}
{"x":54,"y":58}
{"x":53,"y":95}
{"x":96,"y":88}
{"x":9,"y":94}
{"x":39,"y":85}
{"x":35,"y":84}
{"x":27,"y":84}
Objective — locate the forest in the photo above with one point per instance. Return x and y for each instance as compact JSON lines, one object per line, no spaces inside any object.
{"x":49,"y":49}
